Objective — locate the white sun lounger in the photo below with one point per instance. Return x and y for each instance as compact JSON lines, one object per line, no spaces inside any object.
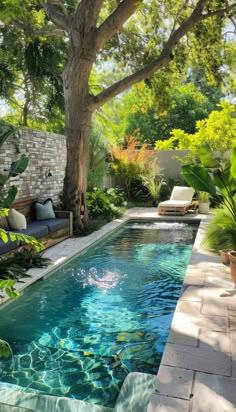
{"x":180,"y":202}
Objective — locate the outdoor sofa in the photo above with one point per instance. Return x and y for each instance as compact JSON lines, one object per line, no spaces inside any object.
{"x":48,"y":231}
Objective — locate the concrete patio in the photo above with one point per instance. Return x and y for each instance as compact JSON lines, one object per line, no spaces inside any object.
{"x":198,"y":368}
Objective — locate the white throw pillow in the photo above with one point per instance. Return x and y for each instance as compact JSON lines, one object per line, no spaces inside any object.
{"x":16,"y":220}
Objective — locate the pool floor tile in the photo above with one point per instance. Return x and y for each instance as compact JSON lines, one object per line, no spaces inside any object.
{"x":174,"y":382}
{"x":214,"y":393}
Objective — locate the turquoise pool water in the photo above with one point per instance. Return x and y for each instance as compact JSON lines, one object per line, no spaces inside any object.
{"x":106,"y":313}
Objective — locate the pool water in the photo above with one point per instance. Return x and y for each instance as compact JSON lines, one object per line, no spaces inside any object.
{"x":104,"y":314}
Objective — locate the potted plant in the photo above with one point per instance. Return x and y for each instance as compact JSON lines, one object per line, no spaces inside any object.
{"x":204,"y":202}
{"x":232,"y":258}
{"x":153,"y":185}
{"x":224,"y":253}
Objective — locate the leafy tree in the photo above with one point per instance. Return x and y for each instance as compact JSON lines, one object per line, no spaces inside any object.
{"x":138,"y":112}
{"x":98,"y":28}
{"x":218,"y":130}
{"x":31,"y":79}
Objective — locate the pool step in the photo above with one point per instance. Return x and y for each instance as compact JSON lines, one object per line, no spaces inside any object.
{"x":134,"y":397}
{"x":31,"y":400}
{"x":135,"y":392}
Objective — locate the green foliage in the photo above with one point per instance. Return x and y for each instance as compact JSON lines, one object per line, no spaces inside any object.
{"x":199,"y":178}
{"x":15,"y":266}
{"x":216,"y":175}
{"x":8,"y":287}
{"x":11,"y":270}
{"x":203,"y":197}
{"x":139,"y":113}
{"x":133,"y":162}
{"x":221,"y":231}
{"x":108,"y":203}
{"x":153,"y":185}
{"x":28,"y":258}
{"x":138,"y":192}
{"x":97,"y":159}
{"x":31,"y":77}
{"x":218,"y":130}
{"x":7,"y":196}
{"x":16,"y":168}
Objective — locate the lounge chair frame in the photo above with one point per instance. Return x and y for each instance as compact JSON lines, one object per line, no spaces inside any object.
{"x":177,"y":210}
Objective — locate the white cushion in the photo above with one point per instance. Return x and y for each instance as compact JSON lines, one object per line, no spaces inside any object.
{"x":182,"y":193}
{"x":175,"y":203}
{"x":16,"y":220}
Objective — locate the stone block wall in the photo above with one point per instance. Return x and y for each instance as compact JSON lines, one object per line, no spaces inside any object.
{"x":47,"y":160}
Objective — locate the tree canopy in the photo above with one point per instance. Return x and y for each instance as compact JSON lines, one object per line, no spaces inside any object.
{"x":146,"y":36}
{"x":218,"y":131}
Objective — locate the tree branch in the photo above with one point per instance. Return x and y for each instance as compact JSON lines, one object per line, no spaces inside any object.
{"x":220,"y":12}
{"x":163,"y":59}
{"x":52,"y":31}
{"x":60,"y":4}
{"x":57,"y":18}
{"x":115,"y":21}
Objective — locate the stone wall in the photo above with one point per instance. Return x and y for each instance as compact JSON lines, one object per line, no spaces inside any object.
{"x":47,"y":159}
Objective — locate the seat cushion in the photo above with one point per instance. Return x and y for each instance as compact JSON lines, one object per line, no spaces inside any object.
{"x":37,"y":229}
{"x":55,"y":224}
{"x":7,"y":247}
{"x":16,"y":220}
{"x":43,"y":211}
{"x":182,"y":193}
{"x":175,"y":203}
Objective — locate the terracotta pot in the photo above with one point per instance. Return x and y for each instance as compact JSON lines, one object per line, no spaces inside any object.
{"x":224,"y":253}
{"x":232,"y":258}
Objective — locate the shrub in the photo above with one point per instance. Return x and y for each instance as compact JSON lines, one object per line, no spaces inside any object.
{"x":15,"y":266}
{"x":107,"y":203}
{"x":221,"y":231}
{"x":153,"y":185}
{"x":133,"y":162}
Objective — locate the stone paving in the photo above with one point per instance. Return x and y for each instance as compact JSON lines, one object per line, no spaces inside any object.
{"x":198,"y":368}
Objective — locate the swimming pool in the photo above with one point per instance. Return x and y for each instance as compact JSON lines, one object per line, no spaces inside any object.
{"x":102,"y":315}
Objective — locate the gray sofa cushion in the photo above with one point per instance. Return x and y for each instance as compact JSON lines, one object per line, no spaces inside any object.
{"x":55,"y":224}
{"x":7,"y":247}
{"x":37,"y":229}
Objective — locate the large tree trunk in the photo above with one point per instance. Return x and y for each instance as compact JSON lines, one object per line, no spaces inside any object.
{"x":78,"y":122}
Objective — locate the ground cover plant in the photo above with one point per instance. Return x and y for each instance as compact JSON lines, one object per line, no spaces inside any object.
{"x":107,"y":203}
